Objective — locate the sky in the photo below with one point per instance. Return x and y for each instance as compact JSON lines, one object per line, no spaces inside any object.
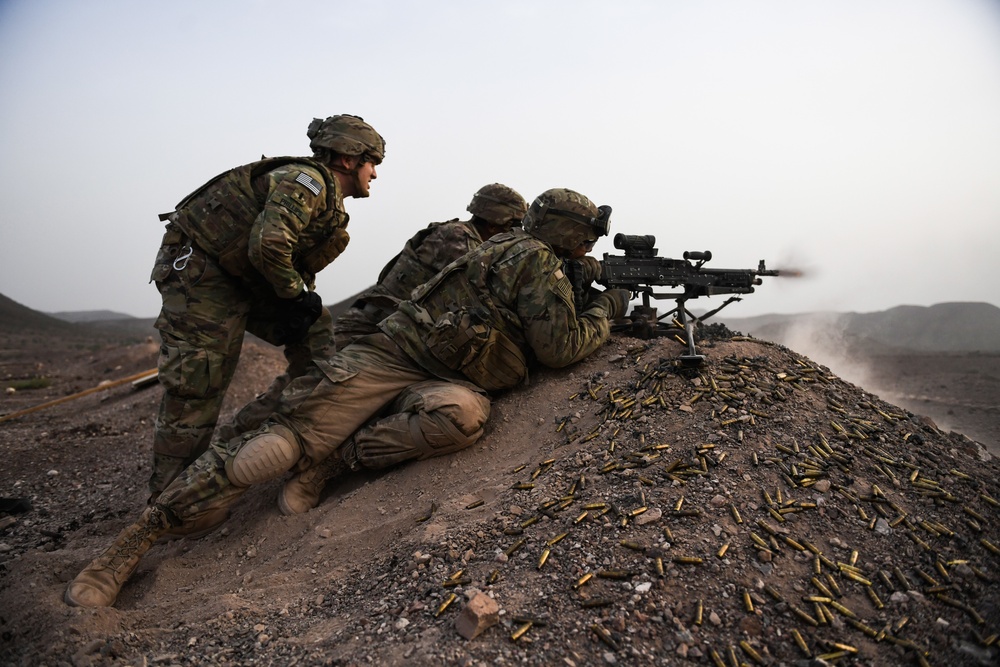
{"x":857,"y":140}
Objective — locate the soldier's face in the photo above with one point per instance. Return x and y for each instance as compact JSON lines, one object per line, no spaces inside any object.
{"x":363,"y":176}
{"x":582,"y":249}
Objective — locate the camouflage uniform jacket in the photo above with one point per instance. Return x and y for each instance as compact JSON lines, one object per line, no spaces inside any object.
{"x":518,"y":288}
{"x":427,"y":252}
{"x":266,"y":221}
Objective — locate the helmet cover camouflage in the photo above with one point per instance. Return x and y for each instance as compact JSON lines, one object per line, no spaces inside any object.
{"x":498,"y":205}
{"x":565,"y":219}
{"x":347,"y":135}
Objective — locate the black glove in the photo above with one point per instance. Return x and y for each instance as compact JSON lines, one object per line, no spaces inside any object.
{"x":297,"y":315}
{"x":582,"y":273}
{"x":592,"y":268}
{"x":615,"y":301}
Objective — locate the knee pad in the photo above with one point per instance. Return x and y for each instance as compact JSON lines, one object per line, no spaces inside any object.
{"x":264,"y":456}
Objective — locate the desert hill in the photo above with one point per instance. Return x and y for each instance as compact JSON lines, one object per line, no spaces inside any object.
{"x":944,"y":327}
{"x":758,"y":510}
{"x":90,"y":315}
{"x":17,"y":318}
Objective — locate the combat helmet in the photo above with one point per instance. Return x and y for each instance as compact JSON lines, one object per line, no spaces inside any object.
{"x":347,"y":135}
{"x":498,"y":205}
{"x":565,"y":219}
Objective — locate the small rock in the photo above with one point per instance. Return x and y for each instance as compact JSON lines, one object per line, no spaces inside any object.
{"x":643,"y":587}
{"x":481,"y":613}
{"x":649,"y":516}
{"x":822,"y":485}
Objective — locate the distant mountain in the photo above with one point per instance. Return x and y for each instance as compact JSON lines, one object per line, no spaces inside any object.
{"x":16,"y":318}
{"x":944,"y":327}
{"x":90,"y":315}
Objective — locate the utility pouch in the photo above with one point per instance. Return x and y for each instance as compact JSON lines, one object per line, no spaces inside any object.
{"x":463,"y":342}
{"x":498,"y":365}
{"x":456,"y":339}
{"x":171,"y":244}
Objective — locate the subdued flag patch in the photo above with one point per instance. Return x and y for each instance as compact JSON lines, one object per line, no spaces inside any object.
{"x":310,"y":182}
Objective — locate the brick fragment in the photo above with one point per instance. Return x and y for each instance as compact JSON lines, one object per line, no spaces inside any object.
{"x":481,"y":613}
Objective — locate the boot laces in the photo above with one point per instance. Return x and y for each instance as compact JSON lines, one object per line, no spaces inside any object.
{"x":133,"y":542}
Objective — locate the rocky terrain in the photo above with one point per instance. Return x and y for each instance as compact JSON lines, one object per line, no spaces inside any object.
{"x":757,"y":510}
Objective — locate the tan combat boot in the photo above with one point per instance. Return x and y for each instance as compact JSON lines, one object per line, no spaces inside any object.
{"x":301,"y":493}
{"x":264,"y":456}
{"x":99,"y":583}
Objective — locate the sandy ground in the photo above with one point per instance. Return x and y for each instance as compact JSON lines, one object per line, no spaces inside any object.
{"x":760,"y":510}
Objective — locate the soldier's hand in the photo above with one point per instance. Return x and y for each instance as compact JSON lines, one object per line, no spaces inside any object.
{"x":615,"y":301}
{"x":298,"y":315}
{"x":591,"y":267}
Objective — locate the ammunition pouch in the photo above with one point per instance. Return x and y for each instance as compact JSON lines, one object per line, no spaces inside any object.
{"x":465,"y":342}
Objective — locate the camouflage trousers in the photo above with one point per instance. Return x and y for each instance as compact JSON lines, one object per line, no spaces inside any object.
{"x":202,"y":322}
{"x":369,"y":403}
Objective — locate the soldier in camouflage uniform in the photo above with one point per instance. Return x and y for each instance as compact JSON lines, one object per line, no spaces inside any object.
{"x":241,"y":254}
{"x":477,"y":326}
{"x":495,"y":208}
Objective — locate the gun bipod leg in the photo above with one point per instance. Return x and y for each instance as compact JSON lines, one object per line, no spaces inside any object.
{"x":692,"y":358}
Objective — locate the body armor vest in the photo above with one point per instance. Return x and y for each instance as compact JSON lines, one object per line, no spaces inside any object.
{"x":218,"y":216}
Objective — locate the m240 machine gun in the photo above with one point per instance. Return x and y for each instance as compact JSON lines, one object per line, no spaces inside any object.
{"x":641,"y":271}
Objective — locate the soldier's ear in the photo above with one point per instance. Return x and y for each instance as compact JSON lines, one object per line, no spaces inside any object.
{"x":344,"y":162}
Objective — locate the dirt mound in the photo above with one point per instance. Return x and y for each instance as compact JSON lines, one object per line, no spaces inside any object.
{"x":756,"y":510}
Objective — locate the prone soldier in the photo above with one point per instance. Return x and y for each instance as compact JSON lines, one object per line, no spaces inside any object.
{"x":495,"y":208}
{"x":477,"y":326}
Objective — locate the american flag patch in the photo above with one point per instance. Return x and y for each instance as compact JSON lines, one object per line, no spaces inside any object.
{"x":308,"y":181}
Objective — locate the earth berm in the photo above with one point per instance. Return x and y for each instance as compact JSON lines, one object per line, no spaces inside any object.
{"x":629,"y":510}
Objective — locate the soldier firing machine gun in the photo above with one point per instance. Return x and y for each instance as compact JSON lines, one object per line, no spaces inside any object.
{"x":640,"y":271}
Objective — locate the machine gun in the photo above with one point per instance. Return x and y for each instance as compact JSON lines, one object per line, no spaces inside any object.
{"x":641,"y":271}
